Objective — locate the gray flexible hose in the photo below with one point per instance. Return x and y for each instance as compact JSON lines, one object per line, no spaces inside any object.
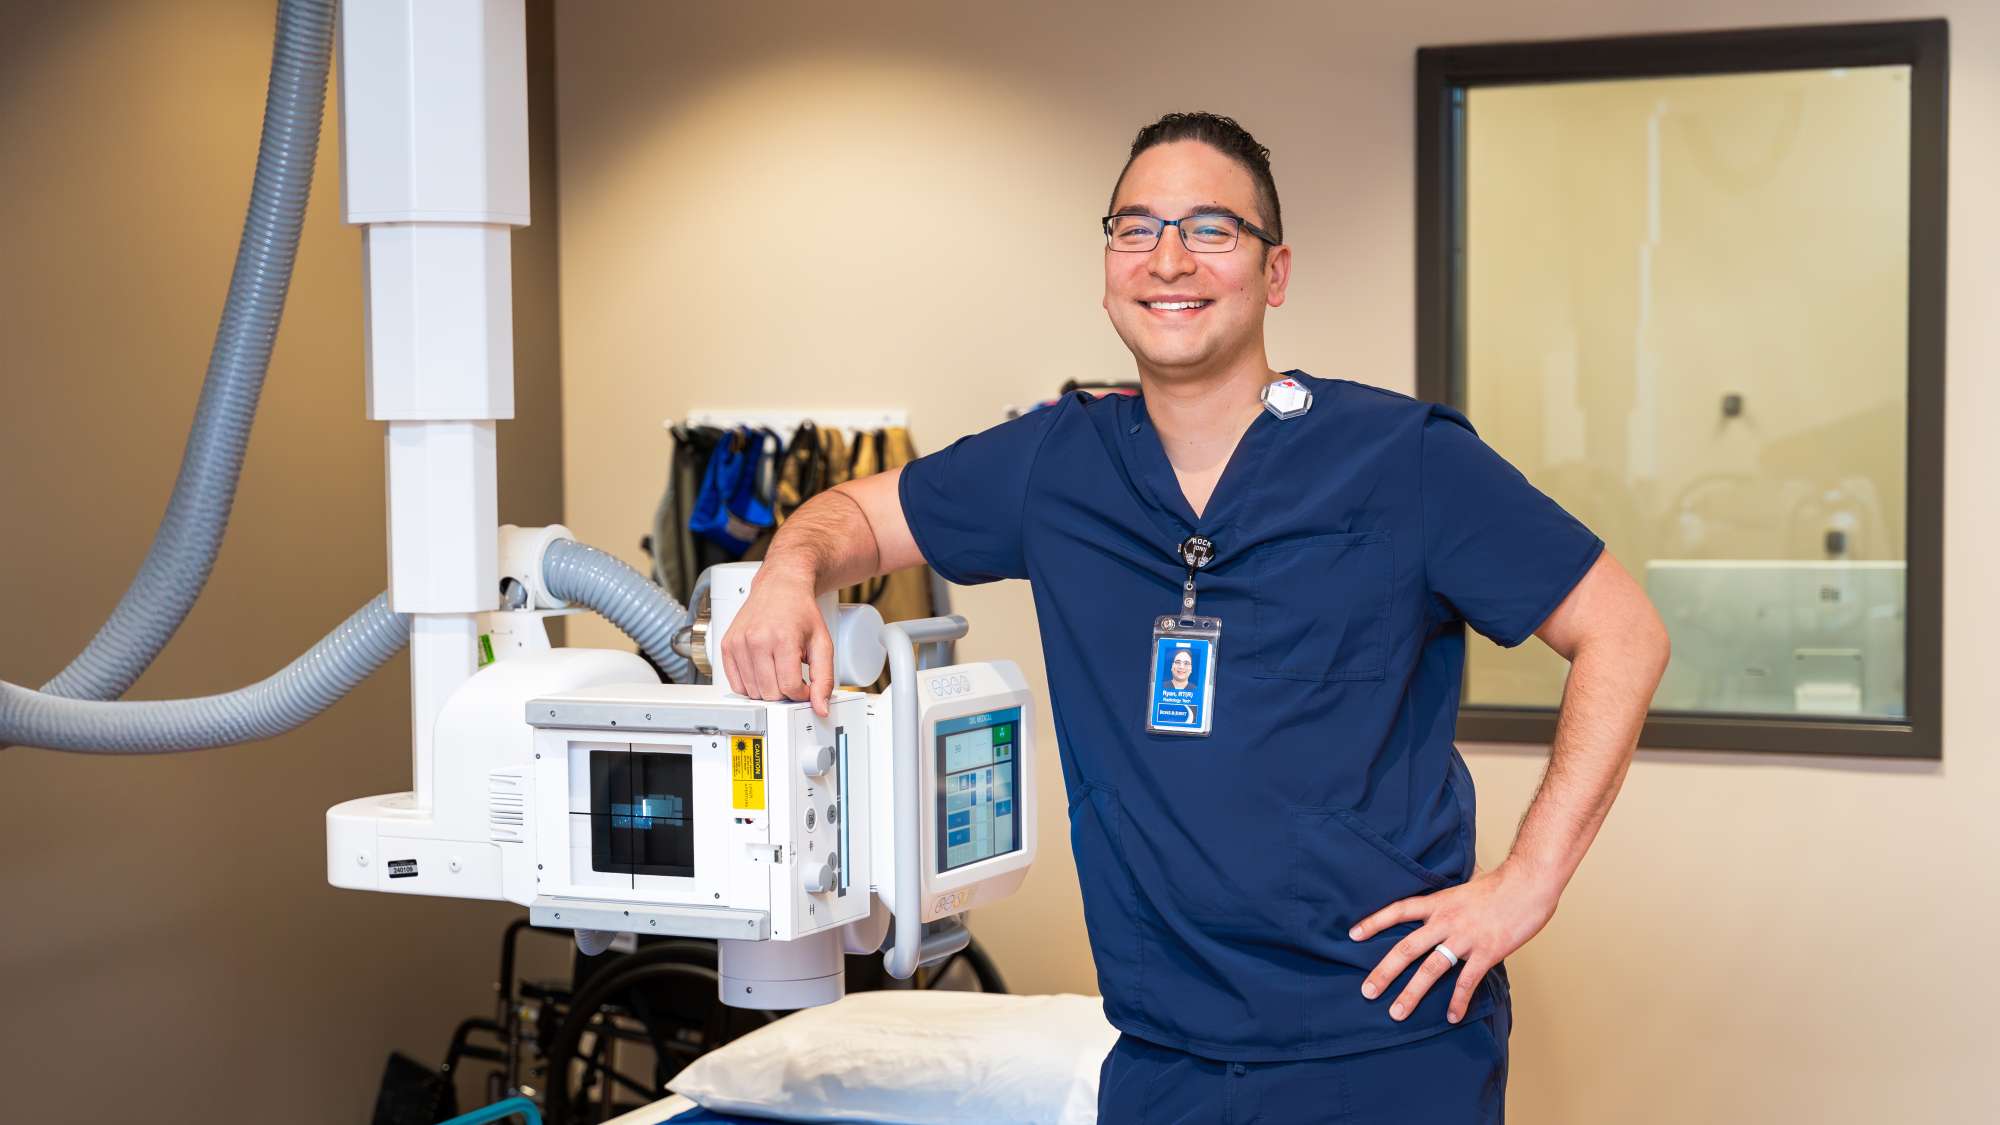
{"x":183,"y":553}
{"x":270,"y":707}
{"x":649,"y":615}
{"x":330,"y":669}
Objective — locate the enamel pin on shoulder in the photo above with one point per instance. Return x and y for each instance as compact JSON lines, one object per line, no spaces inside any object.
{"x":1287,"y":397}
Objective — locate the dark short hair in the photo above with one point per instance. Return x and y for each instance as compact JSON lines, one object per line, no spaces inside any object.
{"x":1224,"y":135}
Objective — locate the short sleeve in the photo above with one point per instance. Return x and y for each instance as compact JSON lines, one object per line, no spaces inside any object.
{"x":1498,"y":553}
{"x":965,"y":503}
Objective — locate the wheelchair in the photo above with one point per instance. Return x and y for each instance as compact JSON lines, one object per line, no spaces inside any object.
{"x":609,"y":1039}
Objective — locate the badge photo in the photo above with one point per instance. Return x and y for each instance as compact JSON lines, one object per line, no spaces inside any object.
{"x":1183,"y":685}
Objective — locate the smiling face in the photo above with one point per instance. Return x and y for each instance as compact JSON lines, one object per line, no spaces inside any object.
{"x":1183,"y":314}
{"x":1183,"y":667}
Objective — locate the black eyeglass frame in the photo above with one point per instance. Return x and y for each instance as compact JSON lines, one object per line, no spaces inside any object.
{"x":1242,"y":224}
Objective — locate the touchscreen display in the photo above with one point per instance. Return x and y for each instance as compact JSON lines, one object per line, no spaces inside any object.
{"x":976,"y":771}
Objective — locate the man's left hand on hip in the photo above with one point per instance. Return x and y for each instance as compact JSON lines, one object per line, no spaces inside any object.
{"x":1481,"y":922}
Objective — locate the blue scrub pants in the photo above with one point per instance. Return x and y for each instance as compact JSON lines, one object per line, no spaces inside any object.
{"x":1458,"y":1077}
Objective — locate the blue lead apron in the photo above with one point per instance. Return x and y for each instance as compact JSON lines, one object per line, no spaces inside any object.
{"x":1353,"y":544}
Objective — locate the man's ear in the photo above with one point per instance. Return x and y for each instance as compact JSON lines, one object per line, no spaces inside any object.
{"x":1277,"y":274}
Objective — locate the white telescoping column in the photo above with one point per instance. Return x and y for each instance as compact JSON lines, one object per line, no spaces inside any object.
{"x":434,"y":143}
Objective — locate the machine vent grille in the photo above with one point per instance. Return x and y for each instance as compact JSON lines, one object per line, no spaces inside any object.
{"x":507,"y":808}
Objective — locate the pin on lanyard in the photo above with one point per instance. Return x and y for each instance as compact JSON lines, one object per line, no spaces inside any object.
{"x":1197,"y":551}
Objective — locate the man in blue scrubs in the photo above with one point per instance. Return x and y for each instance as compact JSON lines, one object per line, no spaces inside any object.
{"x":1285,"y":912}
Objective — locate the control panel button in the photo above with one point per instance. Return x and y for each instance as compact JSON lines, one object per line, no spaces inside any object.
{"x":819,"y":880}
{"x":816,"y":760}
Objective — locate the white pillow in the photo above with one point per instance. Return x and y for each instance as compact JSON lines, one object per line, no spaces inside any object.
{"x":915,"y":1057}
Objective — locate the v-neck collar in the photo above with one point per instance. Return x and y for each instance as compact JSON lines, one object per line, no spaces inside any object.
{"x":1170,"y":504}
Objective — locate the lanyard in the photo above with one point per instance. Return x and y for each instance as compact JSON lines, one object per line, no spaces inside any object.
{"x":1197,"y":551}
{"x":1184,"y":653}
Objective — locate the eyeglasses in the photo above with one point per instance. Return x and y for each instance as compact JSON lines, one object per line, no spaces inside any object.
{"x":1203,"y":234}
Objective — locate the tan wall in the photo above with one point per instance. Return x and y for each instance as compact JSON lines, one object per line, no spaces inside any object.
{"x":1752,"y":939}
{"x":172,"y":950}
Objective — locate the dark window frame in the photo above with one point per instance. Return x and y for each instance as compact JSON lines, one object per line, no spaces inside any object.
{"x":1443,"y":76}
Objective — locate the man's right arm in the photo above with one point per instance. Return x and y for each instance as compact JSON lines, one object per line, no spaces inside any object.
{"x":968,"y":499}
{"x":851,"y":532}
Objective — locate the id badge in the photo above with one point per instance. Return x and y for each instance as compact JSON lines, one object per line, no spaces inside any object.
{"x":1182,"y":699}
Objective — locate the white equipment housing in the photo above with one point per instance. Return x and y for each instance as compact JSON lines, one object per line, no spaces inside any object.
{"x":687,"y":810}
{"x":569,"y":780}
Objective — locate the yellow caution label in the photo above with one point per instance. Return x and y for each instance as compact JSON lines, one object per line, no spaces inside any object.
{"x":746,"y":771}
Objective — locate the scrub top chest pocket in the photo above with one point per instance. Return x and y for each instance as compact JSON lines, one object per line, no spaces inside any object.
{"x":1320,"y":606}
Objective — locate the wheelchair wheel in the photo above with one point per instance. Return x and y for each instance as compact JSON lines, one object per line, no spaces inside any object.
{"x":658,"y":1008}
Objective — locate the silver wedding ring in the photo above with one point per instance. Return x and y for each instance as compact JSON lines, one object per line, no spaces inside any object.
{"x":1448,"y":954}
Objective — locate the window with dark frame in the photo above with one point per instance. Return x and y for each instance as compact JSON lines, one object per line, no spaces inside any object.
{"x":1604,"y":267}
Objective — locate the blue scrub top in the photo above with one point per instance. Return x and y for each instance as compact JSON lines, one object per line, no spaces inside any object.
{"x":1353,"y":544}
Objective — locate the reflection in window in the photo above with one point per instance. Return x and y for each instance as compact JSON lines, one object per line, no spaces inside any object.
{"x":1685,"y":315}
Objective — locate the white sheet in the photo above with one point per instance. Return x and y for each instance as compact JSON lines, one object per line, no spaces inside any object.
{"x":663,"y":1110}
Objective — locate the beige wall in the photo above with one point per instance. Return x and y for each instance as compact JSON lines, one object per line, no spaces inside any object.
{"x":172,"y":951}
{"x":1752,"y":939}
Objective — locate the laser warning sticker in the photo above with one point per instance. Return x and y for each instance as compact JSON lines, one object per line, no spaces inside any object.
{"x":746,"y":770}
